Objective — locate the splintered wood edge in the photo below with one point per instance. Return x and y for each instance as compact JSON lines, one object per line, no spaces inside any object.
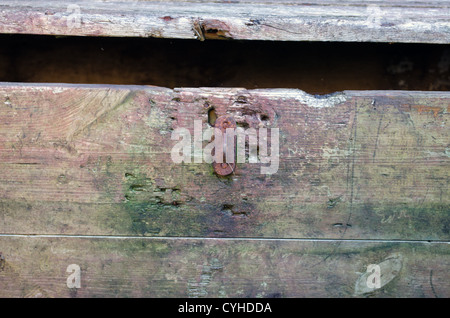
{"x":345,"y":21}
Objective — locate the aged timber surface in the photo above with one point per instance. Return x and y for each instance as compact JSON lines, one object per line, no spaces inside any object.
{"x":95,"y":160}
{"x":36,"y":267}
{"x":313,"y":20}
{"x":87,"y":178}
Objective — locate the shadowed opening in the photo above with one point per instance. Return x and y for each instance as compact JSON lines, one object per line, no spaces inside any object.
{"x":315,"y":67}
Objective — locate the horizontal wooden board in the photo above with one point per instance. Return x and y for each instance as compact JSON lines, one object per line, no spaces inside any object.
{"x":95,"y":160}
{"x":316,"y":20}
{"x":87,"y":179}
{"x":37,"y":267}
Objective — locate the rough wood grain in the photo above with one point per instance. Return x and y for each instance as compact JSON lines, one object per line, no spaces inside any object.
{"x":374,"y":21}
{"x":95,"y":160}
{"x":36,"y":267}
{"x":86,"y":178}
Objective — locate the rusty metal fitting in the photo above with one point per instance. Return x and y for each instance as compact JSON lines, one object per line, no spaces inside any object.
{"x":225,"y":168}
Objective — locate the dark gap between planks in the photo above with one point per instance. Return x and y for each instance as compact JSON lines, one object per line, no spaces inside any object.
{"x":315,"y":67}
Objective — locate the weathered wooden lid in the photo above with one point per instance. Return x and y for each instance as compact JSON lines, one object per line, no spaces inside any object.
{"x":408,"y":21}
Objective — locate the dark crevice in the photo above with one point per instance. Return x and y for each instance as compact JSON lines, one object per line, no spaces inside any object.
{"x":212,"y":116}
{"x":315,"y":67}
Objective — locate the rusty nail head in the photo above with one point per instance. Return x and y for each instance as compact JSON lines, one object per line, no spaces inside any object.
{"x":224,"y":122}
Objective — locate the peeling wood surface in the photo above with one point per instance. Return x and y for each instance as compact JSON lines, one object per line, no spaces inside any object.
{"x":317,"y":20}
{"x":87,"y":179}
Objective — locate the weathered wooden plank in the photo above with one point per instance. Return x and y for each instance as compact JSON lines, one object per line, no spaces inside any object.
{"x":374,"y":21}
{"x":95,"y":160}
{"x":36,"y":267}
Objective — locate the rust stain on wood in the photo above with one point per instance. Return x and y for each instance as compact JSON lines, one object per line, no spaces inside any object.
{"x":426,"y":109}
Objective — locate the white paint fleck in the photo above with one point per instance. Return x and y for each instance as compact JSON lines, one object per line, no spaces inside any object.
{"x":318,"y":101}
{"x":389,"y":269}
